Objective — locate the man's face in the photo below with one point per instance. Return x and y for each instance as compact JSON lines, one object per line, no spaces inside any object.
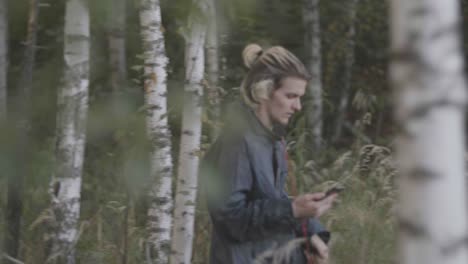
{"x":286,"y":100}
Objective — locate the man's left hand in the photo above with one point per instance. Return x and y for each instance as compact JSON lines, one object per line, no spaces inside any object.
{"x":322,"y":249}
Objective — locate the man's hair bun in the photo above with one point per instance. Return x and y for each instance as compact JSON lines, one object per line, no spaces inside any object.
{"x":251,"y":53}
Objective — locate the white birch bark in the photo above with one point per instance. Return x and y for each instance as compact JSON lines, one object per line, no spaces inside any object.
{"x":184,"y":212}
{"x":161,"y":203}
{"x":3,"y":57}
{"x":348,"y":69}
{"x":427,"y":73}
{"x":212,"y":63}
{"x":71,"y":132}
{"x":312,"y":42}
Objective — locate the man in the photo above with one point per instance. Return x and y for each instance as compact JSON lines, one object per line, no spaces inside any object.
{"x":246,"y":169}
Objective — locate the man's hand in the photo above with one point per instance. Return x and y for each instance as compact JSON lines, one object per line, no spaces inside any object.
{"x":312,"y":205}
{"x":322,"y":249}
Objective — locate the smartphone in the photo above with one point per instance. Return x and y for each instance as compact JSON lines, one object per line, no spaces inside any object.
{"x":332,"y":190}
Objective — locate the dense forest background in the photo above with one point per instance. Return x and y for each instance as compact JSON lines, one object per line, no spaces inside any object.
{"x":112,"y":225}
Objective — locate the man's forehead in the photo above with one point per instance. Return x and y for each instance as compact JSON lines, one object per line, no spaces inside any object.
{"x":296,"y":86}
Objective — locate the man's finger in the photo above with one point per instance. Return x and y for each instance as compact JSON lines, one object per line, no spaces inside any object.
{"x":316,"y":196}
{"x":321,"y":247}
{"x":331,"y":197}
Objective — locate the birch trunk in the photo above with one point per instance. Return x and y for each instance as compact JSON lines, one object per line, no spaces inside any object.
{"x":3,"y":57}
{"x":212,"y":58}
{"x":311,"y":19}
{"x":185,"y":200}
{"x":71,"y":133}
{"x":427,"y":73}
{"x":348,"y":69}
{"x":22,"y":116}
{"x":161,"y":203}
{"x":116,"y":40}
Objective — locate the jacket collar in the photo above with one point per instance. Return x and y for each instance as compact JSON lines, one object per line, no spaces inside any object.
{"x":258,"y":128}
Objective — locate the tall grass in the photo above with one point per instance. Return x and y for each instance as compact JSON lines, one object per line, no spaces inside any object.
{"x":363,"y":222}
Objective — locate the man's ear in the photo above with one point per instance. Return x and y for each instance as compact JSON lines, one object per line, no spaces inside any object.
{"x":262,"y":90}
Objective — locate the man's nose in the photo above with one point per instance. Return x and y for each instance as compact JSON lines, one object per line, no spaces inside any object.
{"x":297,"y":105}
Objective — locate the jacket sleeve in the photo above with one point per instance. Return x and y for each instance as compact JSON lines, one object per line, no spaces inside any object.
{"x":313,"y":226}
{"x":234,"y":211}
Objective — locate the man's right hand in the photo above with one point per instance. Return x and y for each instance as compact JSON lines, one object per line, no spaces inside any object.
{"x":312,"y":205}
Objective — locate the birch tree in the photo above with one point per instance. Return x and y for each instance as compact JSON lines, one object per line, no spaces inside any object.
{"x":185,"y":200}
{"x":430,"y":93}
{"x":348,"y":68}
{"x":155,"y":86}
{"x":71,"y":133}
{"x":22,"y":118}
{"x":212,"y":63}
{"x":3,"y":57}
{"x":311,"y":19}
